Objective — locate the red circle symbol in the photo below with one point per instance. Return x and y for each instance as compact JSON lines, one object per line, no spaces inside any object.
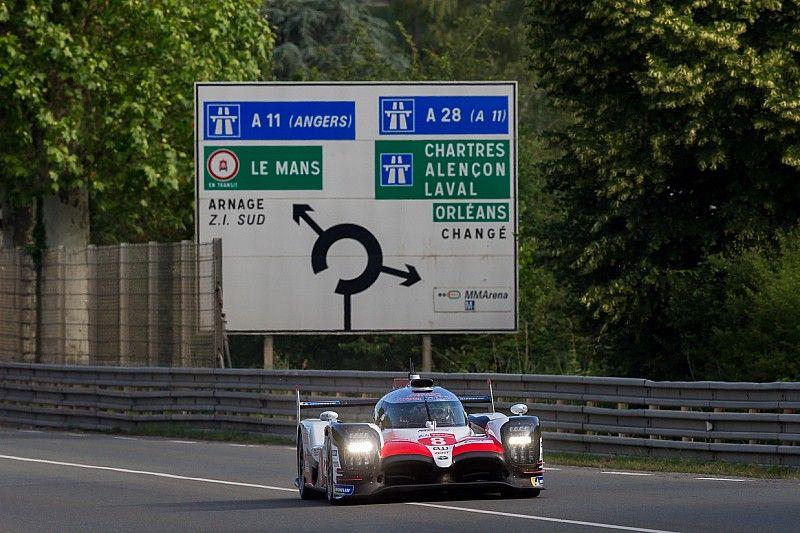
{"x":223,"y":165}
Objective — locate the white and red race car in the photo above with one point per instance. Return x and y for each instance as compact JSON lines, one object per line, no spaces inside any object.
{"x":421,"y":437}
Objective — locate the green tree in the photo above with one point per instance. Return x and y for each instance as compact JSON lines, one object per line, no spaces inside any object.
{"x":325,"y":39}
{"x":422,"y":17}
{"x":685,"y":144}
{"x":98,"y":96}
{"x":760,"y":326}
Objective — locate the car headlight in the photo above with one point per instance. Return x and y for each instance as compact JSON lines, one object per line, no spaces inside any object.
{"x":519,"y":440}
{"x":359,"y":446}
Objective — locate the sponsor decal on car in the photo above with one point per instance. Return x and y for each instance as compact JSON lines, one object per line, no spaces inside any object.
{"x":475,"y":440}
{"x":343,"y":490}
{"x":537,"y":481}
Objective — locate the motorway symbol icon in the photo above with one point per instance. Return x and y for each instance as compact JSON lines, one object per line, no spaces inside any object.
{"x":348,"y":287}
{"x":223,"y":121}
{"x":397,"y":115}
{"x":397,"y":170}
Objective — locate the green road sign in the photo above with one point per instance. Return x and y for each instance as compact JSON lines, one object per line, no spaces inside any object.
{"x":450,"y":169}
{"x":260,"y":168}
{"x":470,"y":212}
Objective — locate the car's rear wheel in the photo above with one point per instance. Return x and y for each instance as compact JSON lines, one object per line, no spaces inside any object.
{"x":305,"y":492}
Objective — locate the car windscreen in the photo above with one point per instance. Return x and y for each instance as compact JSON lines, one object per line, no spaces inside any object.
{"x":415,"y":414}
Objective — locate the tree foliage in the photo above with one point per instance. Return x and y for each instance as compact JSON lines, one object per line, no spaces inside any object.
{"x":684,"y":146}
{"x":323,"y":39}
{"x":761,"y":309}
{"x":99,"y":94}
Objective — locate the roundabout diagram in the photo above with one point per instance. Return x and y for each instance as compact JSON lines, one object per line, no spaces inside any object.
{"x":326,"y":238}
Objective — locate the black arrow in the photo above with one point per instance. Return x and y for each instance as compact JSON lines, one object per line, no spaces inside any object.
{"x":301,"y":211}
{"x":319,"y":256}
{"x":411,"y":276}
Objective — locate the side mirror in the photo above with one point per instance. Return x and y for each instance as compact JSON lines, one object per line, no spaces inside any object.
{"x":519,"y":409}
{"x":329,"y":416}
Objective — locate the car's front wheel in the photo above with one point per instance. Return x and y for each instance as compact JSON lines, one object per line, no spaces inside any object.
{"x":330,"y":489}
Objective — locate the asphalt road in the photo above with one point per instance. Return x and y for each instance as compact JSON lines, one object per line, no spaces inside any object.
{"x":57,"y":481}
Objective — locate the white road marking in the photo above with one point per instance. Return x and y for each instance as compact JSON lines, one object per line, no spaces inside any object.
{"x":285,"y":489}
{"x":29,"y":431}
{"x":144,"y":473}
{"x":721,"y":479}
{"x":541,"y":518}
{"x":628,"y":473}
{"x":183,"y":441}
{"x":76,"y":434}
{"x":238,"y":445}
{"x":124,"y":438}
{"x":549,"y":469}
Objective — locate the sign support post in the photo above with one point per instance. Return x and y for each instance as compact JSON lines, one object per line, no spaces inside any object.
{"x":427,"y":354}
{"x":269,"y":355}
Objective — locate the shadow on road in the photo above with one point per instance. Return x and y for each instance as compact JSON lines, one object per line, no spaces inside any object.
{"x":294,"y":502}
{"x":235,"y":505}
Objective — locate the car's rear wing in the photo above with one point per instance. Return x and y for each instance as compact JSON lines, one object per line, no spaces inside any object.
{"x":322,"y":404}
{"x":357,"y":402}
{"x":475,"y":399}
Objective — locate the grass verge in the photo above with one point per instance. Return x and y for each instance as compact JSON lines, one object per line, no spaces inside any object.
{"x":657,"y":464}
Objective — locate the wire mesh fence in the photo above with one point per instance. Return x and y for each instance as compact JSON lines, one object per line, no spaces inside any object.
{"x":17,"y":306}
{"x":149,"y":304}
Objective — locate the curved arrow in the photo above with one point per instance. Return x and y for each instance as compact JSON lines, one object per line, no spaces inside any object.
{"x":348,"y":287}
{"x":319,"y":256}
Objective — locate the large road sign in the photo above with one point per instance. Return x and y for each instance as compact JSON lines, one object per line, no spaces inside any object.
{"x":361,"y":207}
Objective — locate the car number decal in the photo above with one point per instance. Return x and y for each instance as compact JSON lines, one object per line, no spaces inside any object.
{"x":438,"y":439}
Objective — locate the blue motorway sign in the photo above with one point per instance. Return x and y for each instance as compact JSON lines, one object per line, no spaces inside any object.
{"x":443,"y":115}
{"x":280,"y":121}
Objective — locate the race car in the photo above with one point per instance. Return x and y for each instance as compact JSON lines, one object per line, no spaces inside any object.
{"x":420,"y":437}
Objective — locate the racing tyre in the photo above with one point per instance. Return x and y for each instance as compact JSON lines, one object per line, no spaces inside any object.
{"x":305,"y":492}
{"x":330,"y":485}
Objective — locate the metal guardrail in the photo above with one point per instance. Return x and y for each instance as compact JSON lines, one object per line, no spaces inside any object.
{"x":741,"y":422}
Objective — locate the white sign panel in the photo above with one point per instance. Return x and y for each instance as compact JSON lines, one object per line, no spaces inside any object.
{"x":361,"y":207}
